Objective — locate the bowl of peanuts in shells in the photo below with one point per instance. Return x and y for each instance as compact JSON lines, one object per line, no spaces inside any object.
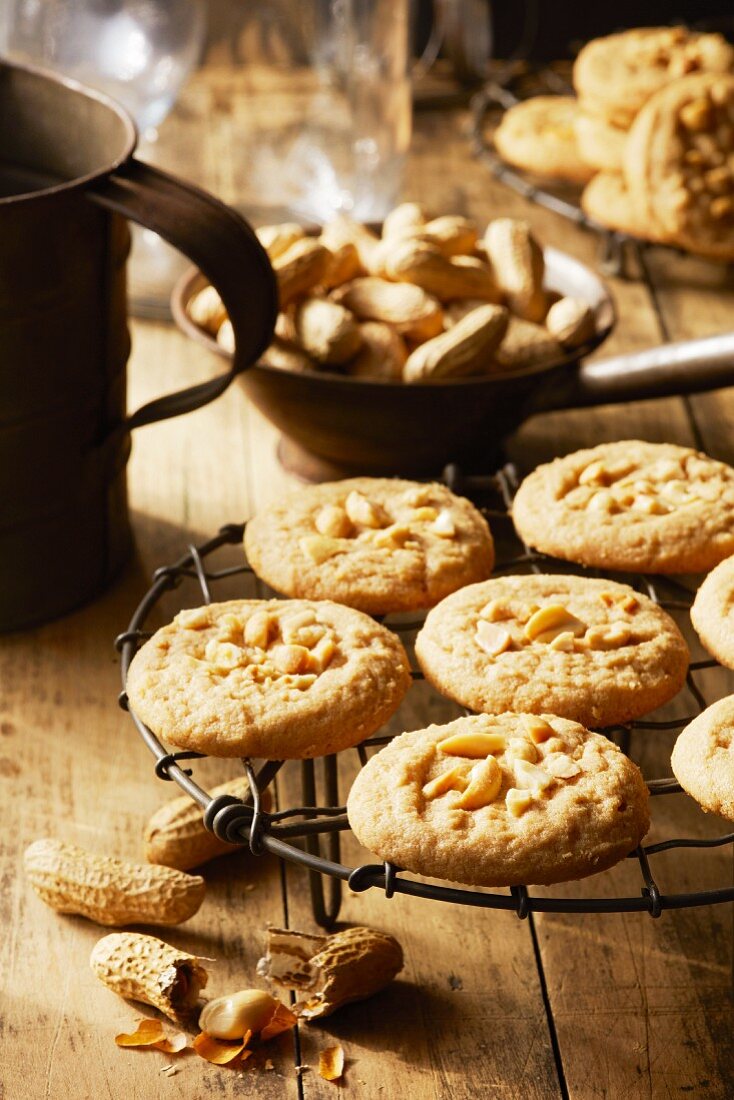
{"x":400,"y":348}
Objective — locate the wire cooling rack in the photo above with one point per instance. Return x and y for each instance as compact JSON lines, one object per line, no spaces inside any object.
{"x":309,"y":834}
{"x":622,"y":254}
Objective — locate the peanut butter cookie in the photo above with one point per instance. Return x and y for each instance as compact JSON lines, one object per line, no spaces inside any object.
{"x":712,"y":613}
{"x":593,"y":651}
{"x":538,"y":136}
{"x":501,"y":801}
{"x":280,"y":679}
{"x":376,"y":544}
{"x":678,"y":163}
{"x":703,"y":758}
{"x":654,"y":507}
{"x":616,"y":75}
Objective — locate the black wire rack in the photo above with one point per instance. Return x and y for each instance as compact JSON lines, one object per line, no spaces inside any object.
{"x":309,"y":834}
{"x":621,"y":254}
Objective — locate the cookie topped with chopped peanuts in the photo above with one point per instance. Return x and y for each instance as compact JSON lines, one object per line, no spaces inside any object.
{"x":712,"y":612}
{"x":380,"y":545}
{"x":590,"y":650}
{"x":678,"y":165}
{"x":279,"y":679}
{"x":653,"y":507}
{"x":501,"y":800}
{"x":703,"y":758}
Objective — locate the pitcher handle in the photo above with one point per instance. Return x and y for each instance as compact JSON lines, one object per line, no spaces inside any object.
{"x":224,"y":248}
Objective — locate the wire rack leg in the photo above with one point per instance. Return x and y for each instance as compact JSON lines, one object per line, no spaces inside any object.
{"x":324,"y":912}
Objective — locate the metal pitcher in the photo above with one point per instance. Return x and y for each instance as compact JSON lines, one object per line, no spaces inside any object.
{"x":68,"y":181}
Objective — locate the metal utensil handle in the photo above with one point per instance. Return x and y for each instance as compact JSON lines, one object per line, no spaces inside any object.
{"x":222,"y":245}
{"x":689,"y":366}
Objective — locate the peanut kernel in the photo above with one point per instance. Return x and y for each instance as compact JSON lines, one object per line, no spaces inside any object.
{"x":518,"y":801}
{"x":365,"y":512}
{"x":493,"y":639}
{"x":424,"y":515}
{"x":595,"y":472}
{"x":538,"y":728}
{"x":494,"y":611}
{"x":193,"y":618}
{"x":320,"y":547}
{"x":473,"y":745}
{"x":531,"y":776}
{"x":223,"y":655}
{"x":521,"y":749}
{"x":257,"y":630}
{"x":290,"y":658}
{"x":322,"y":653}
{"x":485,"y":781}
{"x":444,"y":525}
{"x":334,"y":521}
{"x":561,"y":766}
{"x":550,"y":621}
{"x":455,"y":779}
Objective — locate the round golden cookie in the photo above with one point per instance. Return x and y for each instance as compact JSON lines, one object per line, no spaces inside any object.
{"x":712,"y":613}
{"x":377,"y":544}
{"x":703,"y":758}
{"x":607,"y":200}
{"x":590,"y":650}
{"x":600,"y":143}
{"x":538,"y":136}
{"x":678,"y":163}
{"x":279,"y":679}
{"x":654,"y":507}
{"x":500,"y":801}
{"x":616,"y":75}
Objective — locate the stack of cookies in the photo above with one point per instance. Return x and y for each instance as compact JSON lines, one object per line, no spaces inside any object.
{"x":522,"y":791}
{"x":651,"y":134}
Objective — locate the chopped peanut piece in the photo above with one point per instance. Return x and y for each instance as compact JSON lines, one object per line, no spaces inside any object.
{"x":608,"y":637}
{"x":424,"y":515}
{"x":538,"y":728}
{"x":492,"y":639}
{"x":365,"y":512}
{"x":290,"y":658}
{"x":322,"y":653}
{"x":320,"y":548}
{"x":473,"y":745}
{"x":531,"y":776}
{"x":224,"y":655}
{"x":521,"y":749}
{"x":485,"y":780}
{"x":650,"y":505}
{"x":257,"y":630}
{"x":564,"y":642}
{"x":395,"y":535}
{"x":550,"y":621}
{"x":456,"y":779}
{"x":194,"y":618}
{"x":517,"y":801}
{"x":334,"y":521}
{"x":560,"y":765}
{"x":595,"y":472}
{"x":494,"y":611}
{"x":444,"y":524}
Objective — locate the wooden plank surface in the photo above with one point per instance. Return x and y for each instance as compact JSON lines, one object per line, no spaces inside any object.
{"x":640,"y":1008}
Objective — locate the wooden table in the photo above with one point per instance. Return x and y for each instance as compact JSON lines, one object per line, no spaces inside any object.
{"x":487,"y":1005}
